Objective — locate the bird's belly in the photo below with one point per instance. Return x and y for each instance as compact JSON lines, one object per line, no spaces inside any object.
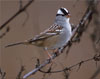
{"x":51,"y":42}
{"x":58,"y":41}
{"x":64,"y":38}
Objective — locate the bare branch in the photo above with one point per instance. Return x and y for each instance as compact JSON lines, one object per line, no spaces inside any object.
{"x":96,"y":58}
{"x":3,"y":34}
{"x":16,"y":14}
{"x":95,"y":74}
{"x":20,"y":4}
{"x":20,"y":72}
{"x":95,"y":36}
{"x":26,"y":19}
{"x":2,"y":74}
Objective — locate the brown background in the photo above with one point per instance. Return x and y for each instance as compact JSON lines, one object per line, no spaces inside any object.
{"x":41,"y":15}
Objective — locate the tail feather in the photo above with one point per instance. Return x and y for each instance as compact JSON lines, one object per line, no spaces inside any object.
{"x":14,"y":44}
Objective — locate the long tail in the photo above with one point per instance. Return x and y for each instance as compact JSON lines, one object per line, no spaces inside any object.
{"x":14,"y":44}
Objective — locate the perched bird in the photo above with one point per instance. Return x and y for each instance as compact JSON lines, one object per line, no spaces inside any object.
{"x":55,"y":36}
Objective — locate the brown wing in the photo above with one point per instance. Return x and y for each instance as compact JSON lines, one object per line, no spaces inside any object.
{"x":52,"y":31}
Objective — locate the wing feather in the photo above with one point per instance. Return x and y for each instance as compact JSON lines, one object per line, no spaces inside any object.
{"x":52,"y":31}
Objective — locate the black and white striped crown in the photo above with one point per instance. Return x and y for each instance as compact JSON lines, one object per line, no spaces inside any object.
{"x":62,"y":11}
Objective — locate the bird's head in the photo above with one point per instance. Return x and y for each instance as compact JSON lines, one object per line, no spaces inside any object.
{"x":63,"y":12}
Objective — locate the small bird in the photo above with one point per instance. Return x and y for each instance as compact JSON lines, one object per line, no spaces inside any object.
{"x":55,"y":36}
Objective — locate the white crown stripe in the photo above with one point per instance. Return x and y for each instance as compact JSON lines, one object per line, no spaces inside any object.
{"x":60,"y":12}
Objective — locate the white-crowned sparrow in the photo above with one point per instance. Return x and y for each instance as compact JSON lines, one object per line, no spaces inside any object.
{"x":54,"y":37}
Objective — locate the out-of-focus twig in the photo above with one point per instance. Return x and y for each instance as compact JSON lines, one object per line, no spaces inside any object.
{"x":3,"y":34}
{"x":26,"y":19}
{"x":96,"y":20}
{"x":27,"y":14}
{"x":2,"y":74}
{"x":16,"y":14}
{"x":20,"y":4}
{"x":19,"y":76}
{"x":96,"y":74}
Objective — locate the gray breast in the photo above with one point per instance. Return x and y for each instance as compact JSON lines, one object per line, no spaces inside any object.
{"x":65,"y":35}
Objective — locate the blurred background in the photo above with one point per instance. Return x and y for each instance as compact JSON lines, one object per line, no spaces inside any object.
{"x":37,"y":17}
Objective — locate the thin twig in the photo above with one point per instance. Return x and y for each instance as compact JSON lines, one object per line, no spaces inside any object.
{"x":2,"y":74}
{"x":26,"y":19}
{"x":16,"y":14}
{"x":4,"y":33}
{"x":96,"y":74}
{"x":20,"y":4}
{"x":20,"y":72}
{"x":96,"y":58}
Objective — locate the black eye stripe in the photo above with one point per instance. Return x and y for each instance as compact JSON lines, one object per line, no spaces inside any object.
{"x":65,"y":13}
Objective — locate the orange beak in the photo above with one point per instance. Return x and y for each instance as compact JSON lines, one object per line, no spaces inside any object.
{"x":68,"y":16}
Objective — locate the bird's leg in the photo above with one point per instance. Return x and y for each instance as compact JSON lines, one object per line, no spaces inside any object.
{"x":46,"y":50}
{"x":50,"y":56}
{"x":56,"y":51}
